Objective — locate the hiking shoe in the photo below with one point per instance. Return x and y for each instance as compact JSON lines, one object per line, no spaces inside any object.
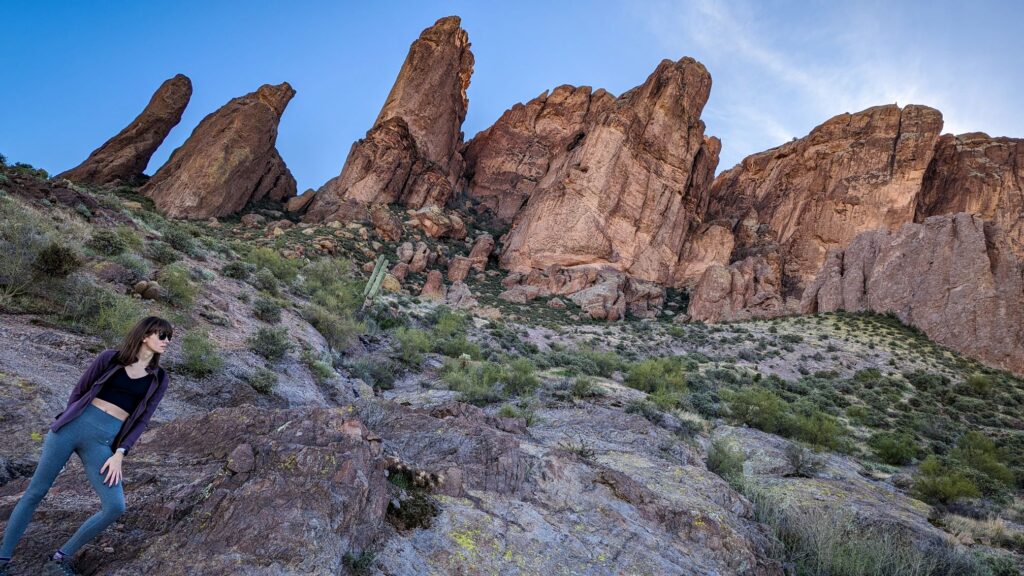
{"x":62,"y":567}
{"x":3,"y":569}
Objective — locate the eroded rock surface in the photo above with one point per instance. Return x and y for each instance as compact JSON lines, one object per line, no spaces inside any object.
{"x":229,"y":161}
{"x":124,"y":157}
{"x":955,"y":277}
{"x":978,"y":174}
{"x":856,"y":172}
{"x":412,"y":154}
{"x":742,"y":290}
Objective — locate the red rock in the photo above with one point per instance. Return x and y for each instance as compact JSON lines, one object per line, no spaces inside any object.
{"x":405,"y":252}
{"x":399,"y":271}
{"x":458,"y":268}
{"x":433,"y":288}
{"x":604,"y":300}
{"x":124,"y":157}
{"x":385,"y":223}
{"x":229,"y":160}
{"x":411,"y":155}
{"x":632,"y":188}
{"x":481,"y":250}
{"x":252,"y":220}
{"x":743,"y":290}
{"x":436,"y":223}
{"x":418,"y":263}
{"x":855,"y":172}
{"x":460,"y":296}
{"x":300,"y":202}
{"x":978,"y":174}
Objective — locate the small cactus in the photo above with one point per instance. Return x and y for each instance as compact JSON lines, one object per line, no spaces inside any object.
{"x":373,"y":284}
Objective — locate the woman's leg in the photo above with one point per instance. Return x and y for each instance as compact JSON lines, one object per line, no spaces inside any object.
{"x":57,"y":448}
{"x":94,"y":452}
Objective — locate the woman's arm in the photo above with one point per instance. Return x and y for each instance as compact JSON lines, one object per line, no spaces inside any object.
{"x":139,"y":427}
{"x":90,"y":375}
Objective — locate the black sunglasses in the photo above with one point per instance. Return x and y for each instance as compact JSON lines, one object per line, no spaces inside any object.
{"x":165,"y":335}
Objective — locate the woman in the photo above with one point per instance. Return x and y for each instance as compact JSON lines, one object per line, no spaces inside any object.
{"x":108,"y":410}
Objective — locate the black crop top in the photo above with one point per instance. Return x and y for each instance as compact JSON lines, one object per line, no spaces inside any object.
{"x":123,"y":391}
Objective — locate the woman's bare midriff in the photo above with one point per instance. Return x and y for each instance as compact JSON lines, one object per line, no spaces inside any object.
{"x":112,"y":409}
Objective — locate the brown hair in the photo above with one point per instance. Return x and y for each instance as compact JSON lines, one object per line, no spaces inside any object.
{"x":129,"y":349}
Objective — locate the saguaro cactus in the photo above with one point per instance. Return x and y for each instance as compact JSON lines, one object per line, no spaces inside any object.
{"x":373,"y":284}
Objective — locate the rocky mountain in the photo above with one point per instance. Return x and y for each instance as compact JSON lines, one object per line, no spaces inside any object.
{"x":412,"y":154}
{"x":229,"y":161}
{"x":124,"y":157}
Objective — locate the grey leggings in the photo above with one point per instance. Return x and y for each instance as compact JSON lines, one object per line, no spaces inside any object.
{"x":90,"y":435}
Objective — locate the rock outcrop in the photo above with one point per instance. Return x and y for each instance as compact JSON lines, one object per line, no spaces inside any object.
{"x":411,"y":155}
{"x":954,"y":277}
{"x":229,"y":160}
{"x":124,"y":157}
{"x":632,"y":188}
{"x":528,"y":146}
{"x":742,"y":290}
{"x":856,"y":172}
{"x":978,"y":174}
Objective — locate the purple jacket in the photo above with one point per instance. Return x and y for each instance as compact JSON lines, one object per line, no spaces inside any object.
{"x":102,"y":368}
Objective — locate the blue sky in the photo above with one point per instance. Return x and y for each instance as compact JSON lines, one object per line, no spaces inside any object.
{"x":77,"y":72}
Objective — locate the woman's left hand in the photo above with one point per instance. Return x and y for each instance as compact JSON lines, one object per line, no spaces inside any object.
{"x":113,"y":468}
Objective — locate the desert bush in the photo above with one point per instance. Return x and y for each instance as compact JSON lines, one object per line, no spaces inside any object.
{"x":262,"y":380}
{"x":338,"y":330}
{"x":760,"y":408}
{"x":162,"y":252}
{"x":238,"y":269}
{"x":379,"y":373}
{"x":804,"y":462}
{"x":979,"y":384}
{"x":199,"y":355}
{"x":97,"y":310}
{"x":584,"y":387}
{"x":726,"y":459}
{"x":937,"y":482}
{"x":267,"y":310}
{"x":412,"y":344}
{"x":981,"y":454}
{"x":896,"y":449}
{"x":180,"y":239}
{"x":284,"y":269}
{"x":180,"y":291}
{"x":265,"y":280}
{"x":654,"y":373}
{"x":270,"y":343}
{"x":335,"y":296}
{"x":478,"y":383}
{"x":55,"y":260}
{"x":139,"y":266}
{"x":321,"y":370}
{"x":519,"y":378}
{"x":107,"y":242}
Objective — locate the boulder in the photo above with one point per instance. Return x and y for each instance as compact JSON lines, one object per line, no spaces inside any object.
{"x":437,"y":224}
{"x":481,"y":250}
{"x":299,"y":203}
{"x":124,"y":157}
{"x":385,"y":223}
{"x":954,"y":277}
{"x":604,"y":300}
{"x":412,"y":154}
{"x":405,"y":252}
{"x":750,"y":288}
{"x":460,"y":296}
{"x":228,"y":162}
{"x":418,"y":262}
{"x":458,"y":268}
{"x":433,"y":288}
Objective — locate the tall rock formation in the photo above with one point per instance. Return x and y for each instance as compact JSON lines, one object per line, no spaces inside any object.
{"x":978,"y":174}
{"x":229,"y":160}
{"x":953,"y":276}
{"x":527,"y":147}
{"x":855,"y":172}
{"x":124,"y":157}
{"x":412,"y":153}
{"x":632,"y":188}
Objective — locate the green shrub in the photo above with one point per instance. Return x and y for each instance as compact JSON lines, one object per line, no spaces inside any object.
{"x":338,"y":330}
{"x":980,"y":453}
{"x":519,"y":377}
{"x":199,"y":355}
{"x":270,"y":343}
{"x":645,"y":408}
{"x":56,"y":260}
{"x":726,"y":459}
{"x":180,"y":290}
{"x":896,"y":449}
{"x":335,"y":297}
{"x":282,"y":268}
{"x":412,"y":344}
{"x":238,"y":270}
{"x":936,"y":482}
{"x":379,"y":373}
{"x":584,"y":387}
{"x":98,"y":310}
{"x":139,"y":266}
{"x":760,"y":408}
{"x":263,"y":380}
{"x":478,"y":383}
{"x":180,"y":239}
{"x":107,"y":242}
{"x":815,"y":427}
{"x":266,"y":281}
{"x":980,"y":384}
{"x":805,"y":464}
{"x":267,"y":309}
{"x":162,"y":252}
{"x":322,"y":371}
{"x":654,"y":373}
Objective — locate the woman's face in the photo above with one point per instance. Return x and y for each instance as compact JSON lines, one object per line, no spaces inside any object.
{"x":155,"y":343}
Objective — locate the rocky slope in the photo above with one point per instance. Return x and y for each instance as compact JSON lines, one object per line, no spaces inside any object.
{"x":124,"y":157}
{"x":954,"y":277}
{"x":412,"y":154}
{"x":229,"y":160}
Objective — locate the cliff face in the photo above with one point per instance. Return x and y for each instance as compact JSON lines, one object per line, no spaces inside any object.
{"x":631,"y":189}
{"x":978,"y":174}
{"x":412,"y":154}
{"x":229,"y":160}
{"x":855,"y":172}
{"x":953,"y":276}
{"x":124,"y":157}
